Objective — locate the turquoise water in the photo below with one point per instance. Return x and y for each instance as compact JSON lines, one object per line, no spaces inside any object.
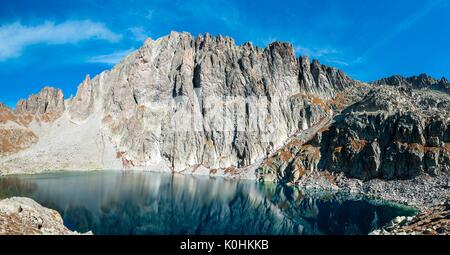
{"x":114,"y":202}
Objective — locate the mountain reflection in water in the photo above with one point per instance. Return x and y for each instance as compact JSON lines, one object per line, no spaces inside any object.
{"x":114,"y":202}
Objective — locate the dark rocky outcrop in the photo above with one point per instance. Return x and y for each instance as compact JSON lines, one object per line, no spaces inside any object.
{"x":391,"y":133}
{"x":417,"y":82}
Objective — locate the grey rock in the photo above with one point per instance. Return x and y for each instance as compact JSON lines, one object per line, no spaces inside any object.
{"x":389,"y":130}
{"x":390,"y":133}
{"x":183,"y":101}
{"x":23,"y":216}
{"x":417,"y":82}
{"x":82,"y":105}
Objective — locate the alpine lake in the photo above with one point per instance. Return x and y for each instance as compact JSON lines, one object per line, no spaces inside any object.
{"x":147,"y":203}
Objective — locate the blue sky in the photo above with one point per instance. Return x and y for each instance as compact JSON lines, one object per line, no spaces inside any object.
{"x":56,"y":43}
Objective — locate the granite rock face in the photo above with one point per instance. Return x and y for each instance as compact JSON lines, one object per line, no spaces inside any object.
{"x":180,"y":102}
{"x":81,"y":106}
{"x":322,"y":80}
{"x":390,"y":134}
{"x":393,"y":132}
{"x":184,"y":103}
{"x":301,"y":154}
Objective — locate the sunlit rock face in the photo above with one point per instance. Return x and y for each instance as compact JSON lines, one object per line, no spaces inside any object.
{"x":14,"y":132}
{"x":23,"y":216}
{"x":181,"y":102}
{"x":186,"y":101}
{"x":46,"y":106}
{"x":81,"y":106}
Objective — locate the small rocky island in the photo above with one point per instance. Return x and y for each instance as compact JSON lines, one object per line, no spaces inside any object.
{"x":204,"y":105}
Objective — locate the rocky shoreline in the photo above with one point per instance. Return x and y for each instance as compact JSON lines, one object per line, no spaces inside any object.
{"x":433,"y":221}
{"x":429,"y":195}
{"x":421,"y":192}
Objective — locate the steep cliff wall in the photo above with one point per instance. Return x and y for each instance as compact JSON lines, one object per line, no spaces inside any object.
{"x":180,"y":103}
{"x":183,"y":101}
{"x":207,"y":105}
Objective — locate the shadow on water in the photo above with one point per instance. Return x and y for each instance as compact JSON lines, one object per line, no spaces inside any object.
{"x":15,"y":186}
{"x":152,"y":203}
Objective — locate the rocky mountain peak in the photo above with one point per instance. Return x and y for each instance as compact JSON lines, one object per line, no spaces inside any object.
{"x":5,"y":113}
{"x":207,"y":41}
{"x":444,"y":80}
{"x":196,"y":70}
{"x":286,"y":50}
{"x":422,"y":81}
{"x":81,"y":106}
{"x":47,"y":105}
{"x":3,"y":106}
{"x":14,"y":133}
{"x":185,"y":103}
{"x":416,"y":81}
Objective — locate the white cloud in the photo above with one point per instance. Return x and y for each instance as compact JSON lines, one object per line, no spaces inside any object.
{"x":15,"y":37}
{"x":314,"y":52}
{"x":266,"y":41}
{"x":328,"y":56}
{"x":139,"y":33}
{"x":110,"y":59}
{"x":337,"y":62}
